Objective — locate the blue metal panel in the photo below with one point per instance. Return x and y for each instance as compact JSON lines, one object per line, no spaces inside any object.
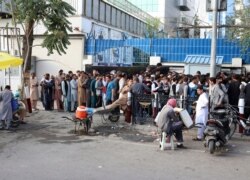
{"x":174,"y":50}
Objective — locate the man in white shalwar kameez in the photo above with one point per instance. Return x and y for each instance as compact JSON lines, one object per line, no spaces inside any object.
{"x":74,"y":98}
{"x":66,"y":90}
{"x":201,"y":113}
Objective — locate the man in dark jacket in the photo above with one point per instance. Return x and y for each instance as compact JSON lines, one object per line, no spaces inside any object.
{"x":247,"y":101}
{"x":234,"y":91}
{"x":138,"y":89}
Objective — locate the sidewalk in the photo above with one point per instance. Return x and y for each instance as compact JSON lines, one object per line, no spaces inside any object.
{"x":52,"y":124}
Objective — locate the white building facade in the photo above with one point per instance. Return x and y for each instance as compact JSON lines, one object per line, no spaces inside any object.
{"x":176,"y":15}
{"x":97,"y":19}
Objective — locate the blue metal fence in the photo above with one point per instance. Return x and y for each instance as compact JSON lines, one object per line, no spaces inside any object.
{"x":172,"y":50}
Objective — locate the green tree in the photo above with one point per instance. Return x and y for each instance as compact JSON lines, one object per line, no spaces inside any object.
{"x":152,"y":27}
{"x":53,"y":14}
{"x":239,"y":25}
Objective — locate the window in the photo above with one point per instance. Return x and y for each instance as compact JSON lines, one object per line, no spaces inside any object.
{"x":96,"y":10}
{"x":89,"y":8}
{"x":108,"y":14}
{"x":102,"y":12}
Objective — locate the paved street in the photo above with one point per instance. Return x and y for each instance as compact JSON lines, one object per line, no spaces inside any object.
{"x":47,"y":148}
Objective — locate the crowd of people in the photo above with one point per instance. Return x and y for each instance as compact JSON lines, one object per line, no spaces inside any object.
{"x":114,"y":89}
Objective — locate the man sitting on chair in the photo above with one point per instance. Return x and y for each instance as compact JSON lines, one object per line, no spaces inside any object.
{"x":169,"y":123}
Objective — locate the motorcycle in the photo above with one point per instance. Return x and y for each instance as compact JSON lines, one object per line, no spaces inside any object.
{"x":217,"y":130}
{"x":234,"y":119}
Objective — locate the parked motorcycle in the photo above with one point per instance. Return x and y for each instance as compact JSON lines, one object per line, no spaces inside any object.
{"x":217,"y":130}
{"x":234,"y":119}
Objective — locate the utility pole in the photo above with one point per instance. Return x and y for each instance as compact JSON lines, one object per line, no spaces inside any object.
{"x":214,"y":39}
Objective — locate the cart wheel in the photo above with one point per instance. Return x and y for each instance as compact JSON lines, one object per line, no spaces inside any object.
{"x":114,"y":118}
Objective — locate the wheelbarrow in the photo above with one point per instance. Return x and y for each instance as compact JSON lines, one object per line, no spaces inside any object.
{"x":84,"y":122}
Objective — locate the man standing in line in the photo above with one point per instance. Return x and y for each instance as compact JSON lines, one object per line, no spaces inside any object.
{"x":5,"y":108}
{"x":66,"y":93}
{"x":247,"y":101}
{"x":109,"y":90}
{"x":138,"y":89}
{"x":73,"y":86}
{"x":58,"y":91}
{"x":201,"y":112}
{"x":47,"y":92}
{"x":234,"y":91}
{"x":33,"y":90}
{"x":81,"y":88}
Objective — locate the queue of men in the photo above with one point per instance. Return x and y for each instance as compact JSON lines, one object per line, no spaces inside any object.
{"x":95,"y":90}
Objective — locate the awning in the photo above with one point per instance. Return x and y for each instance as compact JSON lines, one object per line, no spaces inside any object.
{"x":7,"y":61}
{"x":202,"y":59}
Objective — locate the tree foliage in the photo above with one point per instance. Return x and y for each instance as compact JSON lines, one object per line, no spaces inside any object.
{"x":53,"y":14}
{"x":152,"y":27}
{"x":240,"y":26}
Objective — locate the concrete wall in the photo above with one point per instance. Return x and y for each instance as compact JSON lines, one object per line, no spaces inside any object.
{"x":78,"y":5}
{"x":193,"y":68}
{"x":53,"y":63}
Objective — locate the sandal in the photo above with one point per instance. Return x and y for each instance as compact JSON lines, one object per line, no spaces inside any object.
{"x":197,"y":139}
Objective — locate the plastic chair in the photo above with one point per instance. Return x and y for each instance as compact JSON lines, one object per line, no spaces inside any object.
{"x":164,"y":145}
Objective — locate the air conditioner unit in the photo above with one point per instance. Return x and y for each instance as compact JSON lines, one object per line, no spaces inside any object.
{"x":183,"y":5}
{"x":221,"y":6}
{"x":182,"y":2}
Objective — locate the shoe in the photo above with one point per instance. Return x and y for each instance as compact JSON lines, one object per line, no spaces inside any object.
{"x":23,"y":122}
{"x":181,"y":146}
{"x":10,"y":129}
{"x":155,"y":124}
{"x":197,"y":139}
